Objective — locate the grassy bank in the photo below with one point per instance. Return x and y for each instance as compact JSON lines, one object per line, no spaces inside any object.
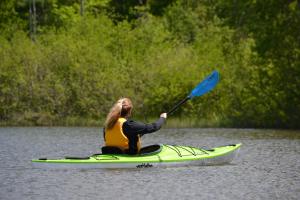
{"x":172,"y":122}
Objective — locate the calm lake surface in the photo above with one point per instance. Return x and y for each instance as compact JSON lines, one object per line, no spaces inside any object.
{"x":268,"y":166}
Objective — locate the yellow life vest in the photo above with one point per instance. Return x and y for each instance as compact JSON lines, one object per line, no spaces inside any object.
{"x":116,"y":138}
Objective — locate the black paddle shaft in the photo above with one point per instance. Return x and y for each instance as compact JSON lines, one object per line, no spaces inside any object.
{"x":178,"y":104}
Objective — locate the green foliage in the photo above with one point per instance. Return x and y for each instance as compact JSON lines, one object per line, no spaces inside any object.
{"x":157,"y":7}
{"x":9,"y":17}
{"x":273,"y":25}
{"x":83,"y":60}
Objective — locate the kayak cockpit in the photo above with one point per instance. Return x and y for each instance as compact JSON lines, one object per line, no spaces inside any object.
{"x":152,"y":149}
{"x":147,"y":150}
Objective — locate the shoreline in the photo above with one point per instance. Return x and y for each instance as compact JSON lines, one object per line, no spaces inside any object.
{"x":174,"y":122}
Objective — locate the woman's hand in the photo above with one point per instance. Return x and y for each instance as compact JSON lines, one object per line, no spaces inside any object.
{"x":164,"y":115}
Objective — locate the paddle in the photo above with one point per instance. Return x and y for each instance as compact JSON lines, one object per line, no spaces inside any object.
{"x":202,"y":88}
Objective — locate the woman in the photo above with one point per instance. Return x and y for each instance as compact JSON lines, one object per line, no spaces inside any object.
{"x":124,"y":133}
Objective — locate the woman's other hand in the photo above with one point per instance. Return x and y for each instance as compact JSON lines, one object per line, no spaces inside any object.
{"x":164,"y":115}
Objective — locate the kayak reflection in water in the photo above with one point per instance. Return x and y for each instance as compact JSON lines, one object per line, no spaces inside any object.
{"x":124,"y":133}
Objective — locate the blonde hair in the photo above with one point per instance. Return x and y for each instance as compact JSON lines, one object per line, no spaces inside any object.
{"x":122,"y":108}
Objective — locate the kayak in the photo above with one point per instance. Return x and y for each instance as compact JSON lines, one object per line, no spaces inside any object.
{"x":162,"y":155}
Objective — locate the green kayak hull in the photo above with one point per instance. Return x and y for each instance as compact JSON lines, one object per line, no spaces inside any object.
{"x":164,"y":156}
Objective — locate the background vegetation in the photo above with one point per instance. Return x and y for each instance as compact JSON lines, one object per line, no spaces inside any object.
{"x":65,"y":62}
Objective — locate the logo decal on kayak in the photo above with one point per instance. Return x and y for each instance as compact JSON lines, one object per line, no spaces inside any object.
{"x":144,"y":165}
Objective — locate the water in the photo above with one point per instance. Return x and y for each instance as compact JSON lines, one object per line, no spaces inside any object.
{"x":268,"y":166}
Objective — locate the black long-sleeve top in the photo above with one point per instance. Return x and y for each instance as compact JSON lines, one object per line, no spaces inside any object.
{"x":132,"y":129}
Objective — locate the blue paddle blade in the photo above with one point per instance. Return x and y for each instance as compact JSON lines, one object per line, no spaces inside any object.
{"x":206,"y":85}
